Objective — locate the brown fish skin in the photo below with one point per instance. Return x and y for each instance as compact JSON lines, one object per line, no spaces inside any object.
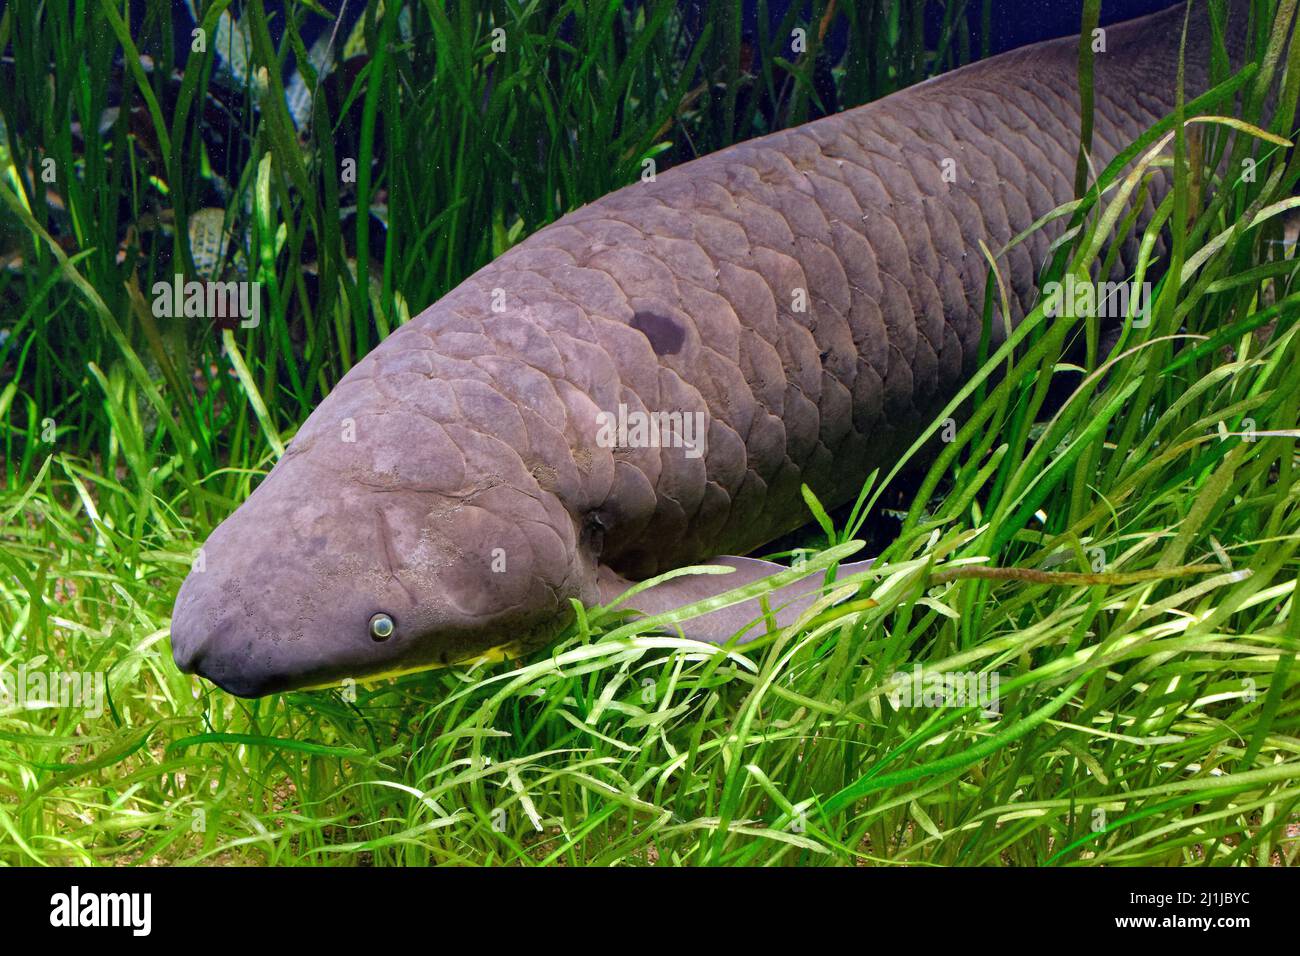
{"x":456,"y":479}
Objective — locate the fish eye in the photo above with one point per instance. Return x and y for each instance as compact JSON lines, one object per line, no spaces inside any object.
{"x":381,"y":626}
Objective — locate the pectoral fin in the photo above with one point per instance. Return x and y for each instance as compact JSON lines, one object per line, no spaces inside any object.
{"x":733,"y":615}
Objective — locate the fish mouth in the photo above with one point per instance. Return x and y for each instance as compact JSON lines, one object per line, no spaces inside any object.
{"x":202,"y":655}
{"x":191,"y":658}
{"x":242,"y":685}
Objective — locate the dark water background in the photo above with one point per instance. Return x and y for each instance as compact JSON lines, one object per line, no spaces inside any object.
{"x":1013,"y":23}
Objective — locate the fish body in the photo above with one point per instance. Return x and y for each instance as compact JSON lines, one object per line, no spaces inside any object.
{"x":647,"y":382}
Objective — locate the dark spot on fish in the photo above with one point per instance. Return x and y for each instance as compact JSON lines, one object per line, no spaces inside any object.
{"x":665,"y":333}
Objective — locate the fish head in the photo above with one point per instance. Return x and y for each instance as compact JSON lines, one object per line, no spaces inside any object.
{"x":384,"y":541}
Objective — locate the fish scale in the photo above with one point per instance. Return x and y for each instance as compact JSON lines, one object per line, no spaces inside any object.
{"x":851,"y":208}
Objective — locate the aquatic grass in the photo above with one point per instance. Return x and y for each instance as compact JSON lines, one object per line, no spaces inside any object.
{"x":1125,"y":560}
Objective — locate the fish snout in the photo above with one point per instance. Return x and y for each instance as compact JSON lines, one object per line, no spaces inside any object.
{"x":212,"y":656}
{"x":204,"y":643}
{"x":190,"y":636}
